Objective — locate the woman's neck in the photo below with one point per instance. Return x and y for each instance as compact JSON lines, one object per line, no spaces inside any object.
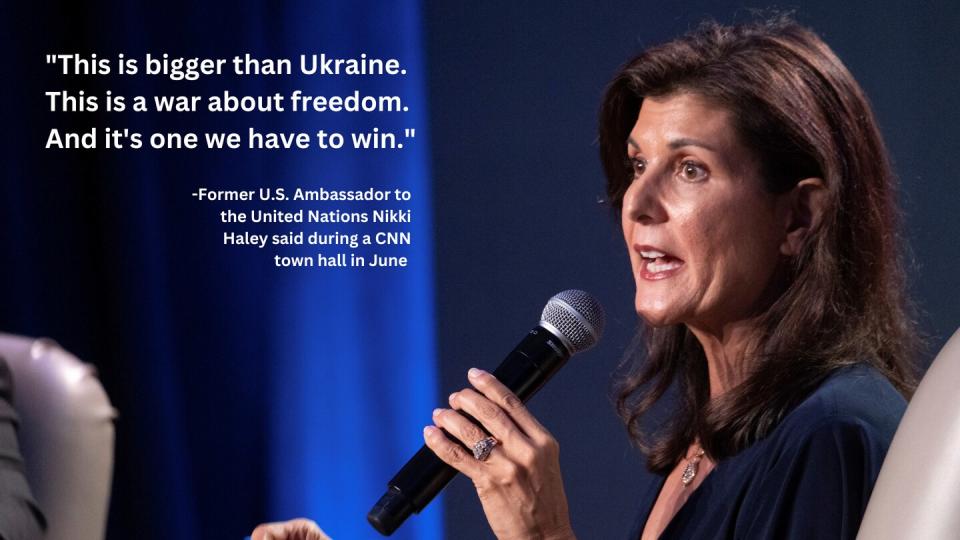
{"x":726,"y":351}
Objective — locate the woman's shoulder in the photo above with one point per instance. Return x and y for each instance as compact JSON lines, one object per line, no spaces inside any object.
{"x":825,"y":454}
{"x":856,"y":399}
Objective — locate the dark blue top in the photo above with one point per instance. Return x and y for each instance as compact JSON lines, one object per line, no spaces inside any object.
{"x":810,"y":478}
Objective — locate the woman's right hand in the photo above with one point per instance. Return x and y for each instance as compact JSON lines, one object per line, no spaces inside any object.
{"x":295,"y":529}
{"x":519,"y":483}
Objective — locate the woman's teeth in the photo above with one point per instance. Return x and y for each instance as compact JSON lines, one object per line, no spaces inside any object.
{"x":660,"y":264}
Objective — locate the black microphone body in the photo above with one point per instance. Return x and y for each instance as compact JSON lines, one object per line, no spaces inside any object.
{"x":524,"y":371}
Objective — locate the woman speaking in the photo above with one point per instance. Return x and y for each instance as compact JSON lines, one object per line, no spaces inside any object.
{"x":758,"y":209}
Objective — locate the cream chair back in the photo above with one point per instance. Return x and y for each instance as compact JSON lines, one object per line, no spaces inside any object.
{"x":917,"y":494}
{"x":66,"y":435}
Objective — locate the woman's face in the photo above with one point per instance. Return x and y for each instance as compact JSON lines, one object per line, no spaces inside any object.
{"x":703,"y":234}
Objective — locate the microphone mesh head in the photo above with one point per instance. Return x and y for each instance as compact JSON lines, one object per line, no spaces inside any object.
{"x":578,"y":316}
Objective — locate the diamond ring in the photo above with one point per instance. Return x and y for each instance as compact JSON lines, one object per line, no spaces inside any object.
{"x":482,"y":449}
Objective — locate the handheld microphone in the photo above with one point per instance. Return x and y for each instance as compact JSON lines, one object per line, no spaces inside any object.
{"x":572,"y":321}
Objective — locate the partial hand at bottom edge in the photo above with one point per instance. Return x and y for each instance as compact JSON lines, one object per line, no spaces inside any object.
{"x":295,"y":529}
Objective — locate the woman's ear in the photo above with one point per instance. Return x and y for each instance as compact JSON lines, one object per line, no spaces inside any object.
{"x":807,"y":200}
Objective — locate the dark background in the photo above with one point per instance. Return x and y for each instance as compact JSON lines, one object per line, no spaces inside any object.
{"x":512,"y":94}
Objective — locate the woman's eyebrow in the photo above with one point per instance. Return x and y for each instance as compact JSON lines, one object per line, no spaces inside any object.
{"x":678,"y":143}
{"x":686,"y":141}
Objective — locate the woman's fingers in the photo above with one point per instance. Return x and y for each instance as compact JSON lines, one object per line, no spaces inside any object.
{"x":451,"y":453}
{"x":493,"y":402}
{"x":493,"y":418}
{"x":457,"y":425}
{"x":500,"y":413}
{"x":295,"y":529}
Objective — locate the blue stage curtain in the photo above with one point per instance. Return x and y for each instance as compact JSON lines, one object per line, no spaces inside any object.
{"x":355,"y":381}
{"x":246,"y":392}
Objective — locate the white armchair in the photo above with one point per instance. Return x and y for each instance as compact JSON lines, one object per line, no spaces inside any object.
{"x":66,"y":435}
{"x":917,"y":495}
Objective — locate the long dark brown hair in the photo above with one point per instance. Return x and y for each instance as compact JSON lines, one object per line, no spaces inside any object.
{"x":803,"y":114}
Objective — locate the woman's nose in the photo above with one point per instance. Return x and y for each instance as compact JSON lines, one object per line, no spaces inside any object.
{"x":642,"y":201}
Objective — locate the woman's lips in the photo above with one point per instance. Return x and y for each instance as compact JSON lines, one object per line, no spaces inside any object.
{"x":657,"y":264}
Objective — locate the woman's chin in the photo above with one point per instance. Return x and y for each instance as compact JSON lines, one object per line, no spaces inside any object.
{"x":658,"y":323}
{"x":656,"y":316}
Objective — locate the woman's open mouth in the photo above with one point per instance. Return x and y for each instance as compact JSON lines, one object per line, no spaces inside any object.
{"x":657,"y":264}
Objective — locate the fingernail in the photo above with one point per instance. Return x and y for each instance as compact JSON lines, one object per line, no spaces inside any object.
{"x":452,"y":397}
{"x":428,"y":431}
{"x":474,"y":373}
{"x":436,"y":412}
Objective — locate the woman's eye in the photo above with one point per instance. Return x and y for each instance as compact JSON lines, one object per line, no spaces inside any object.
{"x":692,"y":171}
{"x":636,"y":166}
